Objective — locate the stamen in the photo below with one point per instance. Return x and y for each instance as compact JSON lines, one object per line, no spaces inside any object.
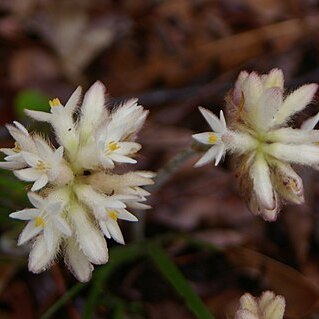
{"x":17,"y":147}
{"x":113,"y":214}
{"x":39,"y":221}
{"x":41,"y":166}
{"x":55,"y":102}
{"x":113,"y":146}
{"x":212,"y":138}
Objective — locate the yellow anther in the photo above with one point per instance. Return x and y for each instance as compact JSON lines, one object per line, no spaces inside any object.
{"x":39,"y":221}
{"x":113,"y":146}
{"x":212,"y":138}
{"x":113,"y":214}
{"x":17,"y":147}
{"x":41,"y":166}
{"x":55,"y":102}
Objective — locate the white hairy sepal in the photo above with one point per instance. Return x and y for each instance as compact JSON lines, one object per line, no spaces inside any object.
{"x":108,"y":183}
{"x":88,"y":236}
{"x":288,"y":135}
{"x":268,"y":306}
{"x":77,"y":262}
{"x":305,"y":154}
{"x":93,"y":111}
{"x":295,"y":102}
{"x":40,"y":257}
{"x":127,"y":120}
{"x":288,"y":183}
{"x":260,"y":175}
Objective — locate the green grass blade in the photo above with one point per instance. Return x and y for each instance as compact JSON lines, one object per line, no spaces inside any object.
{"x":118,"y":256}
{"x":174,"y":276}
{"x":63,"y":300}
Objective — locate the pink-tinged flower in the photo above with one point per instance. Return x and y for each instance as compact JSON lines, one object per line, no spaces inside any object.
{"x":268,"y":306}
{"x":80,"y":199}
{"x":264,"y":146}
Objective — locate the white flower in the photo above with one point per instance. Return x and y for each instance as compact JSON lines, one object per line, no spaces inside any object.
{"x":45,"y":217}
{"x":24,"y":142}
{"x":109,"y":223}
{"x":82,"y":197}
{"x":259,"y":136}
{"x":45,"y":167}
{"x":268,"y":306}
{"x":217,"y":151}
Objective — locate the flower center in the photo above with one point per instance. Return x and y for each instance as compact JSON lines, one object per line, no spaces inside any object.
{"x":17,"y":147}
{"x":39,"y":221}
{"x":112,"y":146}
{"x":113,"y":214}
{"x":212,"y":138}
{"x":55,"y":102}
{"x":41,"y":166}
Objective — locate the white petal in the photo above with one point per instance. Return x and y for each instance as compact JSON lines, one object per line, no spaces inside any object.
{"x":62,"y":225}
{"x":31,"y":159}
{"x":212,"y":120}
{"x":29,"y":231}
{"x":40,"y":258}
{"x":295,"y":102}
{"x":104,"y":229}
{"x":38,"y":115}
{"x":49,"y":234}
{"x":138,"y":205}
{"x":310,"y":123}
{"x":88,"y":236}
{"x":25,"y":214}
{"x":21,"y":128}
{"x":126,"y":215}
{"x":128,"y":148}
{"x":260,"y":175}
{"x":43,"y":148}
{"x":209,"y":156}
{"x":115,"y":231}
{"x":122,"y":159}
{"x":220,"y":153}
{"x":12,"y":165}
{"x":40,"y":182}
{"x":58,"y":154}
{"x":222,"y":120}
{"x":202,"y":137}
{"x":36,"y":200}
{"x":77,"y":262}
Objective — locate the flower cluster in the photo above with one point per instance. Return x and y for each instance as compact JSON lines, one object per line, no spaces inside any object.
{"x":258,"y":134}
{"x":268,"y":306}
{"x":77,"y":193}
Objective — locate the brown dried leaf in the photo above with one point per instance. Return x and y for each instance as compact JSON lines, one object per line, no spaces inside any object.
{"x":301,"y":296}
